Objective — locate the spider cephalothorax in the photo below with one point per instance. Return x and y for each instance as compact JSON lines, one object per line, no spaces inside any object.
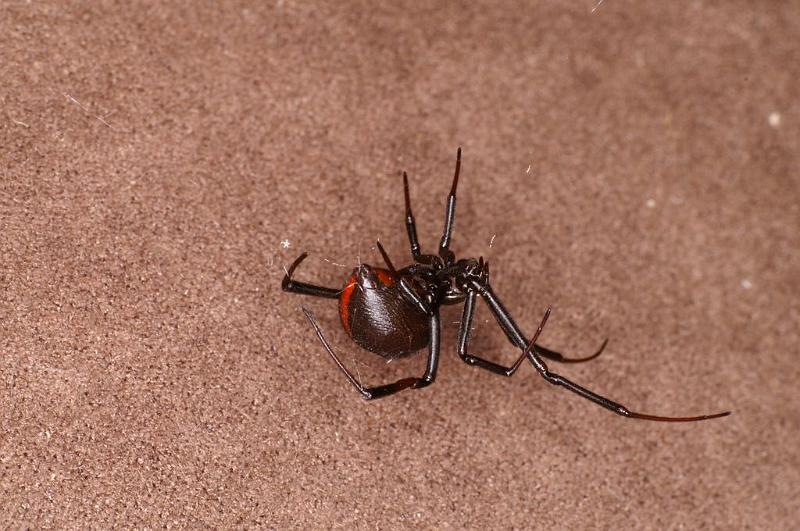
{"x":395,"y":313}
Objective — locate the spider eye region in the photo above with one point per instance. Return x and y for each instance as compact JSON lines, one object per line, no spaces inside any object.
{"x":472,"y":270}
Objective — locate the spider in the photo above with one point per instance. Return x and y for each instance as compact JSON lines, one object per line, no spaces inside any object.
{"x":395,"y":313}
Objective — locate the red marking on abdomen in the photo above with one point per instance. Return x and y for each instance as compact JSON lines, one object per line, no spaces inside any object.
{"x":344,"y":303}
{"x":386,"y":277}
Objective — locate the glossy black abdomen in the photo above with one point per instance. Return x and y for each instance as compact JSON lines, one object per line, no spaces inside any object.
{"x":381,"y":321}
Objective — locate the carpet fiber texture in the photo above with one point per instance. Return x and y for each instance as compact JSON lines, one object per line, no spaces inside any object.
{"x":633,"y":165}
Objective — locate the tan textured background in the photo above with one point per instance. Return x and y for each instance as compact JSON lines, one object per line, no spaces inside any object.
{"x":636,"y":165}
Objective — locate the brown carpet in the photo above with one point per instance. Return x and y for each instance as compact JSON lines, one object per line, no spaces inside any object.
{"x":635,"y":166}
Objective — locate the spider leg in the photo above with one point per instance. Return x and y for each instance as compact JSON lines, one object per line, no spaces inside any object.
{"x":463,"y":341}
{"x":514,"y":335}
{"x":530,"y":350}
{"x":371,"y":393}
{"x":556,"y":356}
{"x":303,"y":288}
{"x":450,"y":213}
{"x":408,"y":291}
{"x":386,"y":259}
{"x":411,"y":227}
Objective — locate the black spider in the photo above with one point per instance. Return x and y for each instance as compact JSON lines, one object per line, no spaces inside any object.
{"x":395,"y":313}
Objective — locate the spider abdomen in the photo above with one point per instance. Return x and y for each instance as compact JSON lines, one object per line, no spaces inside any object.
{"x":378,"y":318}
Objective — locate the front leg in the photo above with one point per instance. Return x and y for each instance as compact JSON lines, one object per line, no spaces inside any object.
{"x":509,"y":327}
{"x":463,"y":341}
{"x":531,"y":352}
{"x":512,"y":331}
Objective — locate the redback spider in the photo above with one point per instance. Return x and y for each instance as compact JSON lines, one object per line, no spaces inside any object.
{"x":395,"y":313}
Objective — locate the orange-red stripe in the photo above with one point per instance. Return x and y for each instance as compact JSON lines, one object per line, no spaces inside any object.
{"x":385,"y":276}
{"x":344,"y":303}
